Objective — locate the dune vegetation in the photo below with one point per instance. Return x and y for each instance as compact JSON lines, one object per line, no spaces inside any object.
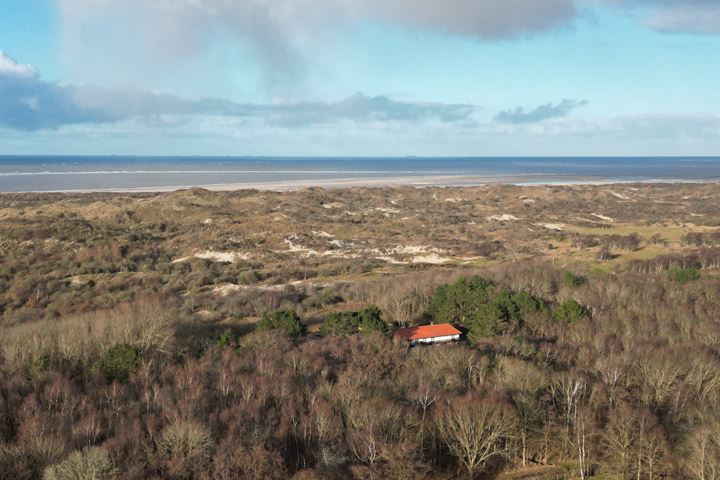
{"x":197,"y":334}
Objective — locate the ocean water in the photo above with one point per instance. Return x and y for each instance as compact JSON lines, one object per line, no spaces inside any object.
{"x":67,"y":173}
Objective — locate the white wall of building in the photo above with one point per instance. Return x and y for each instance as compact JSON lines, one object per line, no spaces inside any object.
{"x":446,"y":338}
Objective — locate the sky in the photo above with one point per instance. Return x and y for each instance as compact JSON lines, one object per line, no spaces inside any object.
{"x":360,"y":77}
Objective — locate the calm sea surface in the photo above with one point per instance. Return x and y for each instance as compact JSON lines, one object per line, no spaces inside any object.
{"x":48,"y":173}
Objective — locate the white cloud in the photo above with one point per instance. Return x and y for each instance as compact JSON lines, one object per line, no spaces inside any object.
{"x":30,"y":103}
{"x":270,"y":43}
{"x":674,"y":16}
{"x":670,"y":135}
{"x":479,"y":18}
{"x":139,"y":39}
{"x":539,"y":114}
{"x":702,"y":19}
{"x":10,"y":67}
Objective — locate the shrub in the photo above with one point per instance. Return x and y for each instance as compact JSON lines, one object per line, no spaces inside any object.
{"x":569,"y":312}
{"x":489,"y":320}
{"x":92,"y":463}
{"x":505,"y":302}
{"x":30,"y":458}
{"x":474,"y":304}
{"x":340,"y":323}
{"x":184,"y":448}
{"x":604,"y":254}
{"x":39,"y":362}
{"x":285,"y":320}
{"x":366,"y":320}
{"x":370,"y":320}
{"x":456,"y":302}
{"x":119,"y":362}
{"x":225,"y":339}
{"x":683,"y":275}
{"x":323,"y":298}
{"x":527,"y":303}
{"x":182,"y":439}
{"x":572,"y":280}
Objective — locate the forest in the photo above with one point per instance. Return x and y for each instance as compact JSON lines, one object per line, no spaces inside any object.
{"x":119,"y":361}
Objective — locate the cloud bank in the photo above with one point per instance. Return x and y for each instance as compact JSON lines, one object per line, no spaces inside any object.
{"x":273,"y":21}
{"x":276,"y":40}
{"x":279,"y":36}
{"x":675,"y":16}
{"x":30,"y":103}
{"x":73,"y":118}
{"x":539,"y":114}
{"x":486,"y":19}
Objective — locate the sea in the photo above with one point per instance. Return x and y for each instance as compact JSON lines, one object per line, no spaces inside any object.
{"x":118,"y":173}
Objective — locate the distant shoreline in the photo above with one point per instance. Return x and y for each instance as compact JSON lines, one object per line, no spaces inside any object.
{"x":389,"y":182}
{"x":110,"y":174}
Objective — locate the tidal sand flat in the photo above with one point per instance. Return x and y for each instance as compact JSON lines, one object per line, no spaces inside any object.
{"x":160,"y":174}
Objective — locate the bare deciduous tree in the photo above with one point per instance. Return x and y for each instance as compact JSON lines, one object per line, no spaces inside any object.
{"x":476,"y":430}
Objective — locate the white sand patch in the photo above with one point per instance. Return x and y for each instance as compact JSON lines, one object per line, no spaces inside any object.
{"x":339,"y":254}
{"x":505,"y":217}
{"x":307,"y":252}
{"x":387,"y":211}
{"x":296,"y":248}
{"x":292,"y":247}
{"x":552,"y":226}
{"x":419,"y":253}
{"x":226,"y":289}
{"x":341,"y":243}
{"x":432,"y":258}
{"x":333,"y":205}
{"x":229,"y":288}
{"x":217,"y":256}
{"x":228,"y":257}
{"x":603,"y":217}
{"x":413,"y":250}
{"x":223,"y":257}
{"x":617,"y":195}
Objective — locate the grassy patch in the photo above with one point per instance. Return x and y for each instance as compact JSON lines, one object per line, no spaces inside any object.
{"x":673,"y":233}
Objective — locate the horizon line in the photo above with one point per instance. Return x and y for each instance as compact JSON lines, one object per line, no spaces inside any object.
{"x":110,"y":155}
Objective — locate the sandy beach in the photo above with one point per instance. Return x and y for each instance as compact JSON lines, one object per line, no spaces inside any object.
{"x":407,"y":181}
{"x":160,"y":174}
{"x":285,"y":185}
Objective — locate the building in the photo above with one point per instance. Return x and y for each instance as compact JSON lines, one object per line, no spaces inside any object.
{"x":428,"y":334}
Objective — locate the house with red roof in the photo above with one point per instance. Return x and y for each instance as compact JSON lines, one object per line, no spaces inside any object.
{"x":428,"y":334}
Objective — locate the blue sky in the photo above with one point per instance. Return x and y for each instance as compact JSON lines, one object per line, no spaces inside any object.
{"x":360,"y":77}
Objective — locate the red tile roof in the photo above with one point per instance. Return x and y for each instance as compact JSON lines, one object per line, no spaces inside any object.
{"x":426,"y":331}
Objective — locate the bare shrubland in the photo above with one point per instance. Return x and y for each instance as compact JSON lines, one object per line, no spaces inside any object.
{"x":629,"y":389}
